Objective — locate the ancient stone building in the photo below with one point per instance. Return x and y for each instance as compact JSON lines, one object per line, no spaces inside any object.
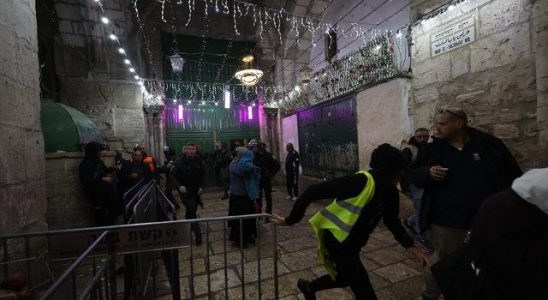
{"x":369,"y":72}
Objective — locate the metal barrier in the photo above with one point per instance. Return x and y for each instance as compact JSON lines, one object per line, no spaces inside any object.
{"x":92,"y":275}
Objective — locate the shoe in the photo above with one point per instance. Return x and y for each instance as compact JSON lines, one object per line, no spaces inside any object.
{"x":288,"y":198}
{"x":409,"y":226}
{"x":305,"y":289}
{"x":425,"y":244}
{"x":294,"y":198}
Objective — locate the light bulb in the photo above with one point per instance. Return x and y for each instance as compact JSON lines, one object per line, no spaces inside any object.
{"x":112,"y":37}
{"x":136,"y":77}
{"x":104,"y":20}
{"x":121,"y":51}
{"x":131,"y":70}
{"x":126,"y":61}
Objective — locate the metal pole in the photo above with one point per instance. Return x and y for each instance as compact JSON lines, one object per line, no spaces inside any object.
{"x":225,"y":258}
{"x":258,"y":244}
{"x":276,"y":296}
{"x":242,"y":257}
{"x":208,"y":269}
{"x":191,"y":278}
{"x":27,"y":253}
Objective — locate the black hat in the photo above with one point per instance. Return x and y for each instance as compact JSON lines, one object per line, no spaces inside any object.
{"x":93,"y":148}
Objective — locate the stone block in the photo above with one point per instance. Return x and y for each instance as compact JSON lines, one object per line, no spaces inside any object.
{"x":23,"y":206}
{"x":427,"y":94}
{"x":506,"y":131}
{"x":420,"y":49}
{"x":65,"y":26}
{"x":396,"y":272}
{"x":68,"y":12}
{"x":300,"y":260}
{"x":460,"y":62}
{"x":385,"y":256}
{"x":501,"y":48}
{"x":499,"y":14}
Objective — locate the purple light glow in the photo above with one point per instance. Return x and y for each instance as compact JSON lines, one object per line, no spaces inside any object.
{"x":250,"y":112}
{"x":180,"y":112}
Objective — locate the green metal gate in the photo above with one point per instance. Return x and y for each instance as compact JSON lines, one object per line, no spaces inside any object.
{"x":207,"y":124}
{"x":328,"y":138}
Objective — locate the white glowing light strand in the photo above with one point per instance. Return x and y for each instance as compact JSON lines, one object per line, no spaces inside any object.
{"x":234,"y":11}
{"x":163,"y":8}
{"x":189,"y":13}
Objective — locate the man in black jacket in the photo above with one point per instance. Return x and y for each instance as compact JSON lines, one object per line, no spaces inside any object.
{"x":387,"y":165}
{"x":269,"y":167}
{"x":187,"y":177}
{"x":292,"y":163}
{"x":457,"y":171}
{"x":98,"y":185}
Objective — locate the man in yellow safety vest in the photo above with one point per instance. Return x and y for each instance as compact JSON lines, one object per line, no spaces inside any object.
{"x":343,"y":227}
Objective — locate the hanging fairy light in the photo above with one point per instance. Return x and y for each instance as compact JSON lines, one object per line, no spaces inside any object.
{"x":250,"y":112}
{"x":177,"y":63}
{"x":179,"y":111}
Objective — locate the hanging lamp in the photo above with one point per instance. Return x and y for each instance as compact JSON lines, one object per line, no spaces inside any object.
{"x":249,"y":76}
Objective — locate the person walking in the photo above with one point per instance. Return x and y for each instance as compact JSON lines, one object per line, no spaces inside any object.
{"x":458,"y":170}
{"x":343,"y":227}
{"x":187,"y":176}
{"x":98,"y":185}
{"x":269,"y":167}
{"x":244,"y":192}
{"x":292,"y":163}
{"x":410,"y":151}
{"x":222,"y":159}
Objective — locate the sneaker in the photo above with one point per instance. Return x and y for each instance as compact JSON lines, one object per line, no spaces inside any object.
{"x":409,"y":226}
{"x":294,"y":198}
{"x":288,"y":198}
{"x":305,"y":289}
{"x":425,"y":244}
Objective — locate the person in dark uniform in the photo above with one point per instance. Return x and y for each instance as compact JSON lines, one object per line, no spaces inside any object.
{"x":343,"y":227}
{"x":98,"y":185}
{"x":187,"y":177}
{"x":292,"y":162}
{"x":269,"y":167}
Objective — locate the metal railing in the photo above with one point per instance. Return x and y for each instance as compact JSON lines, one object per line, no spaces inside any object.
{"x":87,"y":256}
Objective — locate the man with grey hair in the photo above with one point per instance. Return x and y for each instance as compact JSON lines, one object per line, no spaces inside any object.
{"x":461,"y":168}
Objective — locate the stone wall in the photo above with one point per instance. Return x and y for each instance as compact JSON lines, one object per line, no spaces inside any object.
{"x":67,"y":206}
{"x":22,"y":187}
{"x":493,"y":79}
{"x":92,"y":75}
{"x":290,"y":134}
{"x":382,"y":117}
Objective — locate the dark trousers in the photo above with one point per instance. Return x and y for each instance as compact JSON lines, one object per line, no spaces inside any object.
{"x":350,"y":270}
{"x":191,"y":201}
{"x":265,"y":188}
{"x":241,"y":205}
{"x":292,"y":183}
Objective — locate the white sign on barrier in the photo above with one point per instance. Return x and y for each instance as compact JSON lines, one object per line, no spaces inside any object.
{"x":122,"y":240}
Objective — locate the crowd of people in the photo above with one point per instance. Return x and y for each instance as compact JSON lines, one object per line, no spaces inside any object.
{"x":469,"y":199}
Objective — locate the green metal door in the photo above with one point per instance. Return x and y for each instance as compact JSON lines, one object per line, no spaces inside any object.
{"x":207,"y":124}
{"x":328,"y":139}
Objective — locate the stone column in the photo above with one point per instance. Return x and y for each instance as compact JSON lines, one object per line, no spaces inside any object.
{"x":22,"y":185}
{"x":152,"y":131}
{"x":540,"y":26}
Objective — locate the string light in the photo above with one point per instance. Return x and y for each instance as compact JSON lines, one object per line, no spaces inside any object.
{"x":132,"y":70}
{"x":112,"y":37}
{"x":127,"y":62}
{"x":105,"y":20}
{"x":121,"y":51}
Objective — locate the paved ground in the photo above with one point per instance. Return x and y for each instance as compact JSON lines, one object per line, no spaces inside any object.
{"x":393,"y":275}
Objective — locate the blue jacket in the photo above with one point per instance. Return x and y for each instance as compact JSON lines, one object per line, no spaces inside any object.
{"x":244,"y":170}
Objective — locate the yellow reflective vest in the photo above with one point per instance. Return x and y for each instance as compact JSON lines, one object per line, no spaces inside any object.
{"x":339,"y":217}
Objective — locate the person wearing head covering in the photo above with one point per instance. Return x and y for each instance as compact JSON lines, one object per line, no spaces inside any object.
{"x":98,"y":186}
{"x":343,"y":227}
{"x":244,"y":191}
{"x":510,"y":238}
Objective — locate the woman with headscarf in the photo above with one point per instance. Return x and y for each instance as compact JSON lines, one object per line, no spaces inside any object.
{"x":244,"y":191}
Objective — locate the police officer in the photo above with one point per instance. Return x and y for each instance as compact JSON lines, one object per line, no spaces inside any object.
{"x":187,"y":176}
{"x":343,"y":227}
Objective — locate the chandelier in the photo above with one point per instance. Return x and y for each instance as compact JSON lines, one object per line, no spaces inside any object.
{"x":248,"y":76}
